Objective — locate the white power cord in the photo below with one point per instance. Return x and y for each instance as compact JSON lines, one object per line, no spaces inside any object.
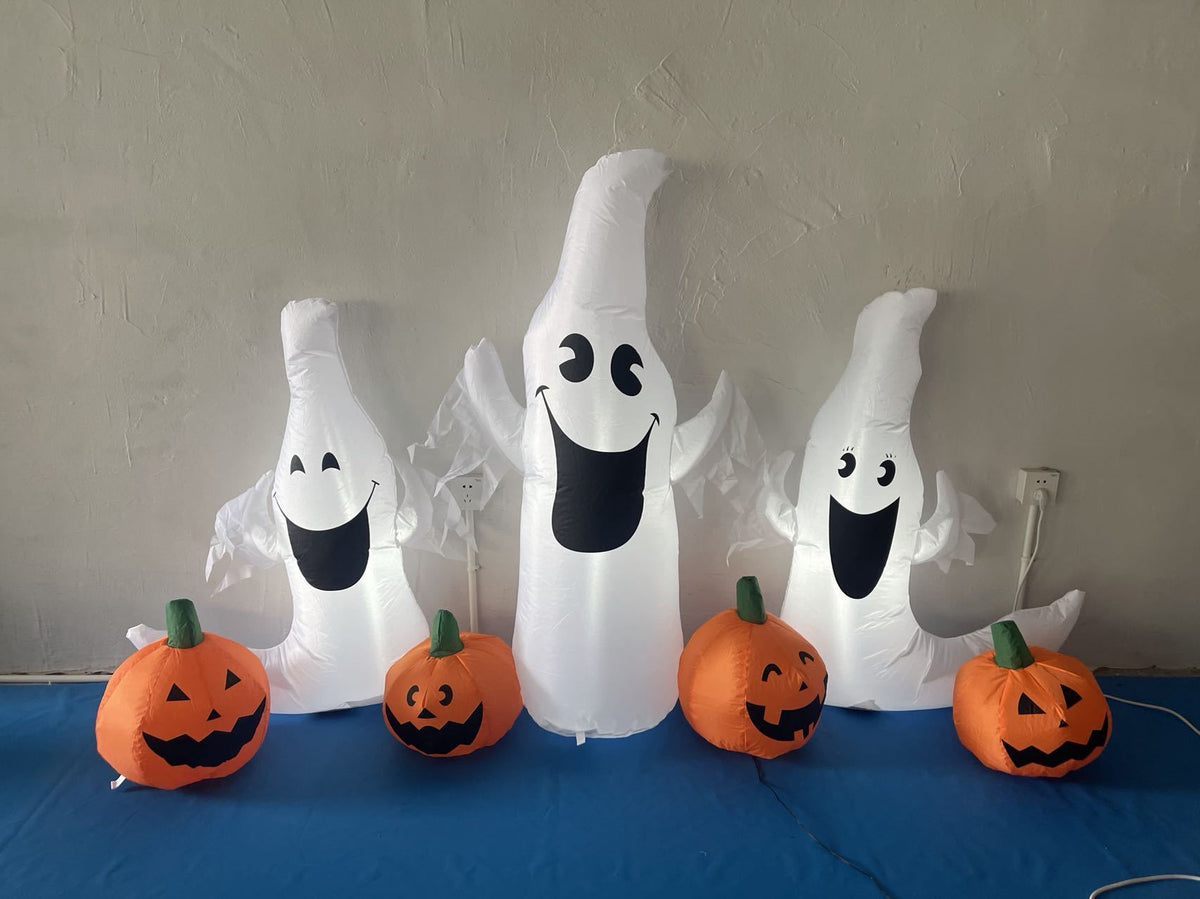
{"x":1109,"y":887}
{"x":1160,"y":708}
{"x":1033,"y":538}
{"x":1133,"y":881}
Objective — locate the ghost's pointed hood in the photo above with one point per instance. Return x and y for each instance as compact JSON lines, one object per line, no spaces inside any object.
{"x":332,"y":457}
{"x":311,"y":356}
{"x":876,"y":390}
{"x":603,"y":263}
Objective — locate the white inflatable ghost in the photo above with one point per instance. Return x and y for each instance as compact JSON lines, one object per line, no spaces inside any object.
{"x":856,"y":530}
{"x":329,"y":512}
{"x":598,"y":636}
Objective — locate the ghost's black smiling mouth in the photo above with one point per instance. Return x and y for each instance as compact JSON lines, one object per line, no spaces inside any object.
{"x":336,"y":558}
{"x":859,"y":546}
{"x":598,"y":500}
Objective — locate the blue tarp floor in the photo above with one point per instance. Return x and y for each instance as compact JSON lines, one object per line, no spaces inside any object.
{"x":877,"y":804}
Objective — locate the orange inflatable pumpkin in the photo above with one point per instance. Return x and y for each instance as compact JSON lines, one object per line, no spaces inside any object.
{"x":1027,"y":711}
{"x":453,"y":693}
{"x":185,"y":708}
{"x":749,"y":682}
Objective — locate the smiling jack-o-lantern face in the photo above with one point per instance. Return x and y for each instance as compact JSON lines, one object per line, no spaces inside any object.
{"x":452,"y":694}
{"x":189,"y":707}
{"x":1029,"y":711}
{"x":749,"y":682}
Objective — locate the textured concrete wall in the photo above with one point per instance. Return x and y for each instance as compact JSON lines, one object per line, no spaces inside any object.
{"x":171,"y":173}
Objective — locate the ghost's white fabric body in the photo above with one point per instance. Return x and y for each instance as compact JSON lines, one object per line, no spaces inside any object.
{"x":353,"y":610}
{"x":598,"y":635}
{"x":848,"y":587}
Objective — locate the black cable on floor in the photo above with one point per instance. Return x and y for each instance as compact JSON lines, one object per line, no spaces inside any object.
{"x":762,"y":779}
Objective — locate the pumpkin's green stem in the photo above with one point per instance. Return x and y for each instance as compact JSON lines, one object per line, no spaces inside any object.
{"x":183,"y":627}
{"x":1011,"y":649}
{"x":750,"y":601}
{"x":443,"y":636}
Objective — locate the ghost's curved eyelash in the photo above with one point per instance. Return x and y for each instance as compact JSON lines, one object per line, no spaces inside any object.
{"x":297,"y":465}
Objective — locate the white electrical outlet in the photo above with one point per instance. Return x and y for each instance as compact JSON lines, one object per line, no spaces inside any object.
{"x":467,"y":492}
{"x":1031,"y":480}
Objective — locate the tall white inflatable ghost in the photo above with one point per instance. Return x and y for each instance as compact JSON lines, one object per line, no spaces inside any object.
{"x":856,"y":530}
{"x":598,"y":636}
{"x":328,"y":512}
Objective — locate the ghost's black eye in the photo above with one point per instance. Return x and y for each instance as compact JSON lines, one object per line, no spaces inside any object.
{"x":297,"y":465}
{"x":847,"y":467}
{"x":176,"y":695}
{"x":1026,"y":706}
{"x":1070,"y":696}
{"x":805,"y":657}
{"x":330,"y":461}
{"x":447,"y":694}
{"x":578,"y":368}
{"x":771,"y":668}
{"x":889,"y":472}
{"x":412,"y":693}
{"x":231,"y":679}
{"x":624,"y":359}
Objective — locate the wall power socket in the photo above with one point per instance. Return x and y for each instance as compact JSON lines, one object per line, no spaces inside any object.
{"x":1031,"y":480}
{"x":467,"y":491}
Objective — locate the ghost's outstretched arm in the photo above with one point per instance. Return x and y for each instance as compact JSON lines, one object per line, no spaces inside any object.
{"x":425,"y":518}
{"x":766,"y":515}
{"x":721,"y":446}
{"x":478,"y":425}
{"x":946,"y":536}
{"x":487,"y":389}
{"x":245,"y":533}
{"x":694,"y":439}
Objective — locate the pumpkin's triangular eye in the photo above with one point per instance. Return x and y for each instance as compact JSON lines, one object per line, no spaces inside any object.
{"x":1026,"y":706}
{"x":1070,"y":696}
{"x":176,"y":695}
{"x":231,"y":679}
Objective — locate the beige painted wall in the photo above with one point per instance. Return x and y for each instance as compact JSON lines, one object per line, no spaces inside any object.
{"x":171,"y":173}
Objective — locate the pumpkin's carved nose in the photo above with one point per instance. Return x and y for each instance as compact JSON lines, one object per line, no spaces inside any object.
{"x":425,"y":713}
{"x":213,"y":715}
{"x":1062,"y":722}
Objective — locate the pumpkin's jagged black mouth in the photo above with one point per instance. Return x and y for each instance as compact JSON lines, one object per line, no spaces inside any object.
{"x":859,"y":546}
{"x":437,"y":740}
{"x":803,"y":719}
{"x":1067,"y":752}
{"x":216,"y":749}
{"x":599,"y":497}
{"x":333,"y":559}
